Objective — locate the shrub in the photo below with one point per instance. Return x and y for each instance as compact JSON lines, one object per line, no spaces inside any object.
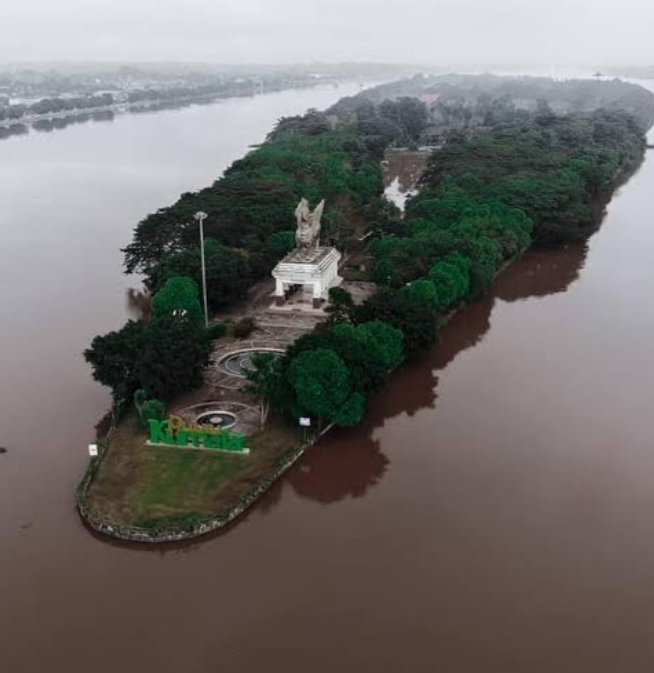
{"x":216,"y":331}
{"x":244,"y":327}
{"x":151,"y":410}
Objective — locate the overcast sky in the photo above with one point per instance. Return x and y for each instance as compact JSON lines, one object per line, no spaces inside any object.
{"x":410,"y":31}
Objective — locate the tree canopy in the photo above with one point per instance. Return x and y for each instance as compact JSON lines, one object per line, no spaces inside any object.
{"x":177,"y":298}
{"x":251,"y":208}
{"x":164,"y":358}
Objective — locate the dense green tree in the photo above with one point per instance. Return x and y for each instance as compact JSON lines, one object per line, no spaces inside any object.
{"x":351,"y":412}
{"x":551,"y":170}
{"x":386,"y":273}
{"x":165,"y":358}
{"x":370,"y":351}
{"x":413,"y":317}
{"x":257,"y":196}
{"x":451,"y":277}
{"x":281,"y":243}
{"x":340,"y":306}
{"x":379,"y":132}
{"x":422,"y":290}
{"x":148,"y":409}
{"x":313,"y":380}
{"x":409,"y":114}
{"x":313,"y":123}
{"x":151,"y":410}
{"x":178,"y":297}
{"x":174,"y":358}
{"x":115,"y":356}
{"x":228,"y":272}
{"x":321,"y":382}
{"x":386,"y":342}
{"x":485,"y":258}
{"x":264,"y":380}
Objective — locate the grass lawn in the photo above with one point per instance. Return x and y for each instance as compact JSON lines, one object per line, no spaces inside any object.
{"x":151,"y":487}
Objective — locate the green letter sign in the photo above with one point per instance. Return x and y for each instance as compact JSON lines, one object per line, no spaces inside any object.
{"x":178,"y":433}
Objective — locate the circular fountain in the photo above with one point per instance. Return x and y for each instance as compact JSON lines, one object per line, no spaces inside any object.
{"x":219,"y":420}
{"x":239,"y":363}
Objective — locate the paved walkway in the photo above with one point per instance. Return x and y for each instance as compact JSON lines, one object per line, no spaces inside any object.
{"x":275,"y":330}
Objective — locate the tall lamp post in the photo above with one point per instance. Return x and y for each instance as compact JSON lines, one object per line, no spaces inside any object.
{"x":201,"y":217}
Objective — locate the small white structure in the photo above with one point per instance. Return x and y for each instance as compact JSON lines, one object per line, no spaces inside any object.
{"x":316,"y":269}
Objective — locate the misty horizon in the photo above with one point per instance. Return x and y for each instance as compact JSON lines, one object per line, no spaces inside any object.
{"x":464,"y":34}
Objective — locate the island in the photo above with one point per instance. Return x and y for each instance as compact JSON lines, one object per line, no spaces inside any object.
{"x":207,"y":417}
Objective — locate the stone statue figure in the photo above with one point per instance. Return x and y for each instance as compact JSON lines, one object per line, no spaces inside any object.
{"x":307,"y":235}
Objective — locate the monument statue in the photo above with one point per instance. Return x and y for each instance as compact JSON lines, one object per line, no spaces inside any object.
{"x":310,"y":266}
{"x":307,"y":235}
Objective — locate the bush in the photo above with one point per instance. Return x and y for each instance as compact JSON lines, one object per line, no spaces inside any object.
{"x":340,"y":306}
{"x":140,"y":396}
{"x":244,"y":327}
{"x":151,"y":410}
{"x":386,"y":274}
{"x":216,"y":331}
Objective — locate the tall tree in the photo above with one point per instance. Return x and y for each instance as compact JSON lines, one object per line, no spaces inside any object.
{"x":322,"y":384}
{"x":178,"y":298}
{"x":165,"y":358}
{"x":264,"y":380}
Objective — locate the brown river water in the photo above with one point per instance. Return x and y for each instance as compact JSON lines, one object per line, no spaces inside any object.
{"x":495,"y":513}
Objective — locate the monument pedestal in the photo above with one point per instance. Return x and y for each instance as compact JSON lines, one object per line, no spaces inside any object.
{"x":317,"y":270}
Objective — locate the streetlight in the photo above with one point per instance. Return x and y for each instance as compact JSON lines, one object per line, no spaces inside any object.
{"x":201,"y":217}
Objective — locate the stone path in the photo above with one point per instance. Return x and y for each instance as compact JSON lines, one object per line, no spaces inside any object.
{"x":274,"y":331}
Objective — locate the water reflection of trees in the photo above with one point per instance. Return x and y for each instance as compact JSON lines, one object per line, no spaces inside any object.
{"x":542,"y":272}
{"x":345,"y":466}
{"x":56,"y":123}
{"x":13,"y":130}
{"x":59,"y":123}
{"x":48,"y":125}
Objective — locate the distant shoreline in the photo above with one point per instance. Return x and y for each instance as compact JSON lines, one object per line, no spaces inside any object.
{"x":141,"y":106}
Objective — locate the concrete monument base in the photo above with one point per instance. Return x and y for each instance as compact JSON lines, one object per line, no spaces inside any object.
{"x":316,"y":270}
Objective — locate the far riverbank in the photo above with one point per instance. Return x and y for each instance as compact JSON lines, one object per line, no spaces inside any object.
{"x":59,"y":120}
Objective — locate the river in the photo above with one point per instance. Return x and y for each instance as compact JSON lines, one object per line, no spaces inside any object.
{"x":494,"y":514}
